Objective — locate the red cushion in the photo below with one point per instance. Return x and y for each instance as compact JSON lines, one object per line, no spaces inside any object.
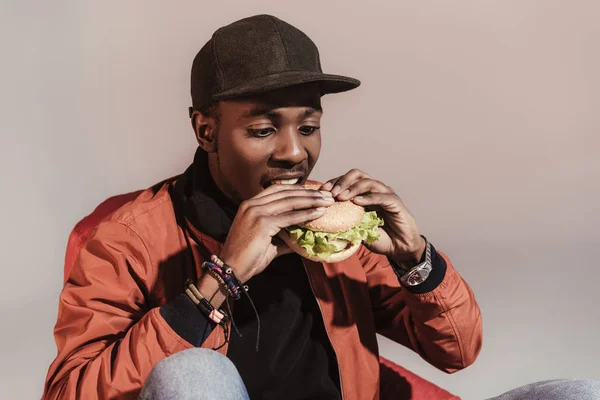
{"x":397,"y":383}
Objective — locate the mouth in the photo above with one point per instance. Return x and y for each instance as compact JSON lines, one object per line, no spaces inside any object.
{"x":292,"y":180}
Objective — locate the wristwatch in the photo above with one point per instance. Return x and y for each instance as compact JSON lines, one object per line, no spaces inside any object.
{"x":417,"y":274}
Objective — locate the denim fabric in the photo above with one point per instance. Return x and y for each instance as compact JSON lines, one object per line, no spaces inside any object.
{"x":198,"y":374}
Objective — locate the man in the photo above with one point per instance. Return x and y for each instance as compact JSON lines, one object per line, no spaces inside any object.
{"x":126,"y":328}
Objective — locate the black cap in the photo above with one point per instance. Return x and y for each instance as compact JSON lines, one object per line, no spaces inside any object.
{"x":255,"y":55}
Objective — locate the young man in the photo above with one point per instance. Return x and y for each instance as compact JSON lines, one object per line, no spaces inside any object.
{"x":126,"y":328}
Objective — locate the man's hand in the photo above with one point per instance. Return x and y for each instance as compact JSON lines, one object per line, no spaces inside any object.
{"x":252,"y":244}
{"x":400,"y":239}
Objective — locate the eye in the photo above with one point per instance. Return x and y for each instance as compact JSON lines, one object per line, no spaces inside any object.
{"x":261,"y":133}
{"x":308,"y":130}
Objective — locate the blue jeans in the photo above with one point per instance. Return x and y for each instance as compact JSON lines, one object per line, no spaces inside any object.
{"x":558,"y":389}
{"x":198,"y":374}
{"x":203,"y":374}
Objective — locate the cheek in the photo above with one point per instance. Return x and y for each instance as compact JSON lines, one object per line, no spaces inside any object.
{"x":313,"y":148}
{"x":243,"y":163}
{"x":247,"y":157}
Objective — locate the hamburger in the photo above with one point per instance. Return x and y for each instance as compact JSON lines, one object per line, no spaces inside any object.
{"x":336,"y":235}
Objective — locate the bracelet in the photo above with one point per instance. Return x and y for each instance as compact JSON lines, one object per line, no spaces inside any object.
{"x":202,"y":303}
{"x":219,"y":317}
{"x":224,"y":274}
{"x":236,"y":285}
{"x":216,"y":271}
{"x":229,"y":271}
{"x":219,"y":278}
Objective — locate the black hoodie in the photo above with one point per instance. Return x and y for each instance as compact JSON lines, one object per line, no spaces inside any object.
{"x":295,"y":358}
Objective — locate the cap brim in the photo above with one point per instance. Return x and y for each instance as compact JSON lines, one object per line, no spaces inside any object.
{"x":328,"y":83}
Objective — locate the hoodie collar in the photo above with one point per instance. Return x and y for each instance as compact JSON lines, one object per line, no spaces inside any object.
{"x":200,"y":200}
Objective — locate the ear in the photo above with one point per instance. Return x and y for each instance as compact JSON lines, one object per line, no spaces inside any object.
{"x":205,"y":130}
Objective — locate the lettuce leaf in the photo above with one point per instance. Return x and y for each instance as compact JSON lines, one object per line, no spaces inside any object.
{"x":323,"y":244}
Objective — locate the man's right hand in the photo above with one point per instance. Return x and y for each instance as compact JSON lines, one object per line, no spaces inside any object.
{"x":251,"y":244}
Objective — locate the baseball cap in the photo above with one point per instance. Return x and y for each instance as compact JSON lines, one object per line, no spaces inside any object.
{"x":255,"y":55}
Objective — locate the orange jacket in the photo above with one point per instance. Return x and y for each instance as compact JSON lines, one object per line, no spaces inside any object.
{"x":110,"y":334}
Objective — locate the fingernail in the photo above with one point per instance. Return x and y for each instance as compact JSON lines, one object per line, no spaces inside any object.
{"x":326,"y":193}
{"x":327,"y":186}
{"x":345,"y":193}
{"x":359,"y":198}
{"x":336,"y":190}
{"x":321,"y":209}
{"x":329,"y":199}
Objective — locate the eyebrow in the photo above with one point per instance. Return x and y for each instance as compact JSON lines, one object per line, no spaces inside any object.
{"x":269,"y":112}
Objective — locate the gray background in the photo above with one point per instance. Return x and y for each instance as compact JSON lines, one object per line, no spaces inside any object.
{"x":484,"y":115}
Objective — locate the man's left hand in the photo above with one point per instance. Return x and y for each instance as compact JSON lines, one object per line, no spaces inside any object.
{"x":400,"y":239}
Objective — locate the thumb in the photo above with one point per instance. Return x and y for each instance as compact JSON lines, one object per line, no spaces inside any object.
{"x":383,"y":245}
{"x":280,"y":247}
{"x":283,"y":250}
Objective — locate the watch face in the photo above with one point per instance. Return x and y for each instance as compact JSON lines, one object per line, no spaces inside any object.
{"x":415,"y":278}
{"x":418,"y":275}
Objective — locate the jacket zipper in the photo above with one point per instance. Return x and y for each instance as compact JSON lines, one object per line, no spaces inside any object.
{"x":337,"y":360}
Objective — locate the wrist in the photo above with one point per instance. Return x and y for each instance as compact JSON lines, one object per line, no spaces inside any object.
{"x":211,"y":289}
{"x":409,"y":259}
{"x":234,"y":264}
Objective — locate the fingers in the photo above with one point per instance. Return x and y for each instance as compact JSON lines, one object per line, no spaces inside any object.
{"x":284,"y":206}
{"x":339,"y":184}
{"x":285,"y":211}
{"x":329,"y":184}
{"x":287,"y":204}
{"x":297,"y":217}
{"x":282,"y":193}
{"x":276,"y":188}
{"x":363,"y":186}
{"x":389,"y":202}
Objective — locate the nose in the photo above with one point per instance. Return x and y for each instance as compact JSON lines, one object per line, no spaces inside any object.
{"x":289,"y":148}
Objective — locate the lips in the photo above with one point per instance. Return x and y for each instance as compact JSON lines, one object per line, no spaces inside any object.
{"x":284,"y":180}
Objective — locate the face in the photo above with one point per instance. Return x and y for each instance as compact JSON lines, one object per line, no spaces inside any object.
{"x":263,"y":140}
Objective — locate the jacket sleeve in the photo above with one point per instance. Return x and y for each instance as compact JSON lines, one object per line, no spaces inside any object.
{"x":443,"y":325}
{"x":108,"y":338}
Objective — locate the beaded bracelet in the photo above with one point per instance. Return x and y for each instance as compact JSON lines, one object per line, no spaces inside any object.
{"x":218,"y":277}
{"x":232,"y":288}
{"x":229,"y":271}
